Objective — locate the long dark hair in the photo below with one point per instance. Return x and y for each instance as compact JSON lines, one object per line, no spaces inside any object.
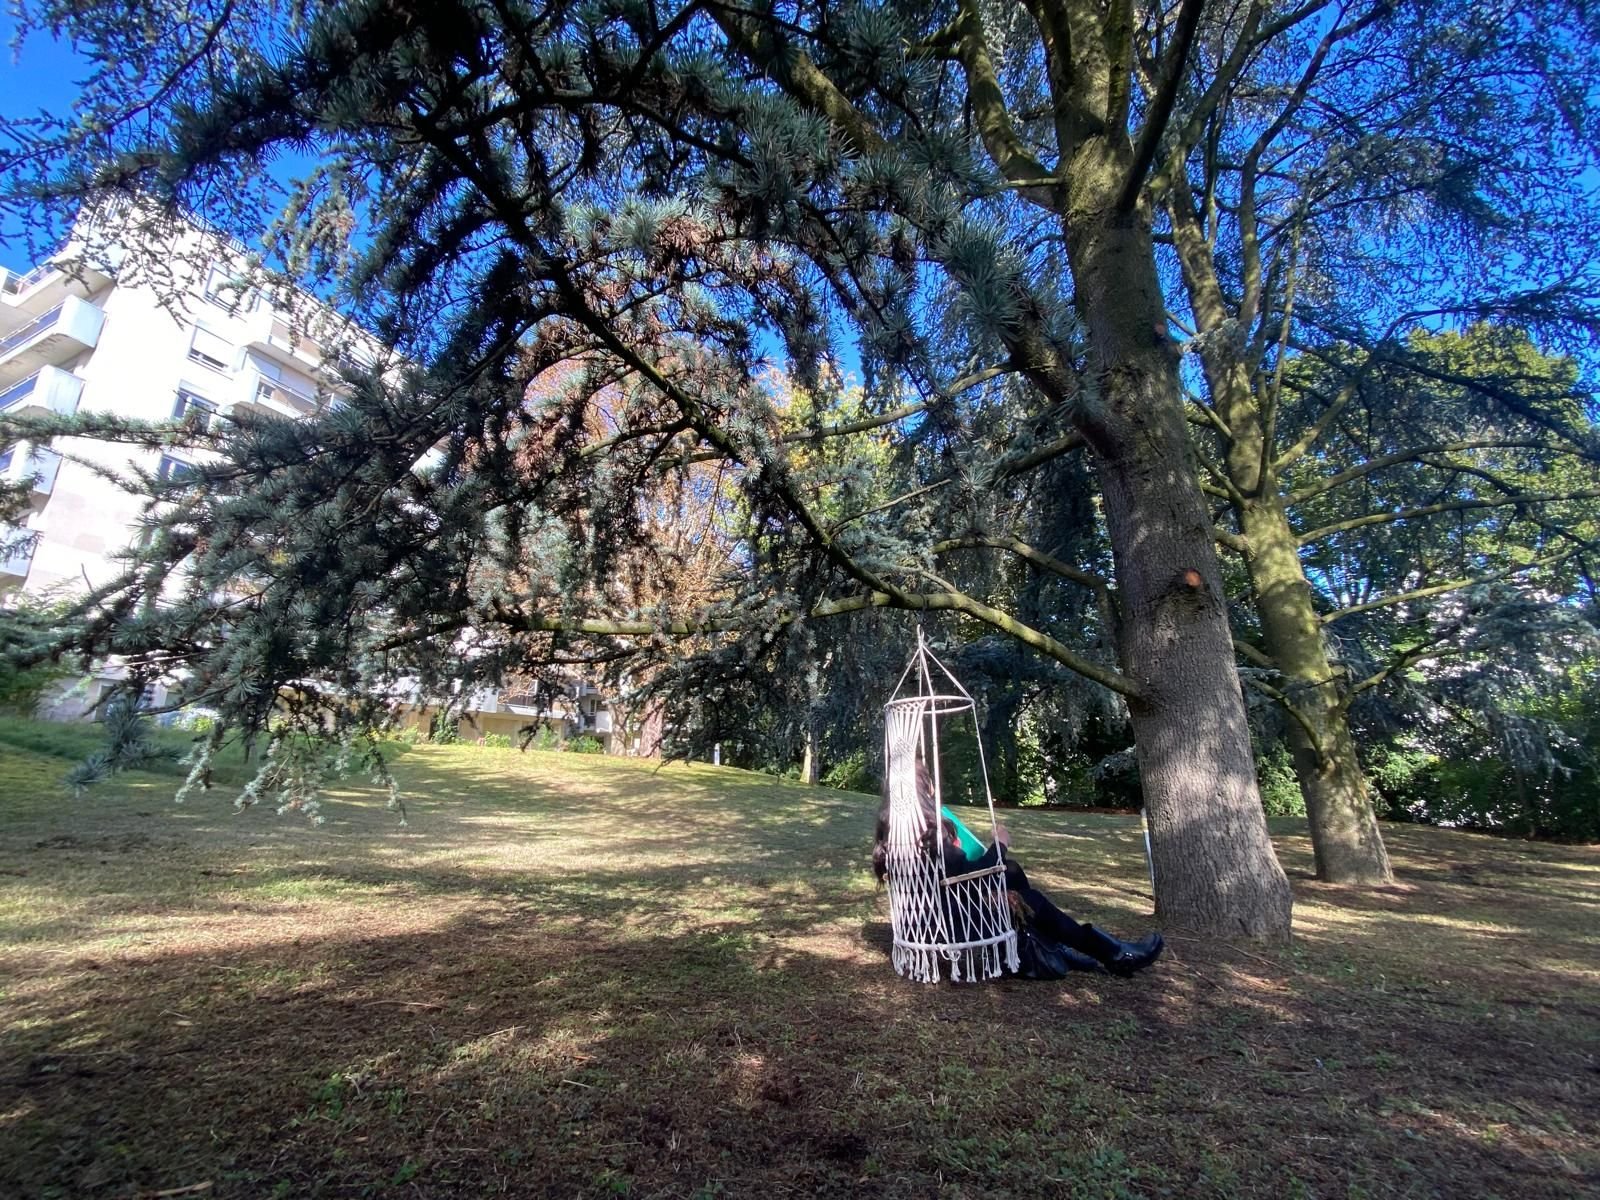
{"x":931,"y":821}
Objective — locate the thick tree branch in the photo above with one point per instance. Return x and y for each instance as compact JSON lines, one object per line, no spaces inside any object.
{"x":1428,"y":510}
{"x":1105,"y":598}
{"x":1304,"y":444}
{"x":908,"y":601}
{"x":1236,"y":542}
{"x":1452,"y":585}
{"x":1272,"y":392}
{"x":1023,"y":550}
{"x":1010,"y":153}
{"x":888,"y":504}
{"x":1409,"y":658}
{"x":1414,"y":454}
{"x":1195,"y":121}
{"x":1021,"y":465}
{"x":1249,"y":239}
{"x":1055,"y":37}
{"x":1255,"y":656}
{"x":1288,"y":706}
{"x":800,"y":77}
{"x":1174,"y":62}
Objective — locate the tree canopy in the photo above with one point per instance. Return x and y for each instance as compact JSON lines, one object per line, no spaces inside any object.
{"x":586,"y":229}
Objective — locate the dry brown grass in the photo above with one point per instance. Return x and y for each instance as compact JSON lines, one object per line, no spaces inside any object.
{"x":573,"y":976}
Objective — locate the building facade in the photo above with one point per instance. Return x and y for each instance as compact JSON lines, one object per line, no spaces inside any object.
{"x":195,"y":344}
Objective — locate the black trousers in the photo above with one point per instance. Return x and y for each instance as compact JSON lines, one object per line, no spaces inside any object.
{"x":1049,"y":919}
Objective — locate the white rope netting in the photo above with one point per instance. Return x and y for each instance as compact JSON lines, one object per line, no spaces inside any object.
{"x":962,"y":922}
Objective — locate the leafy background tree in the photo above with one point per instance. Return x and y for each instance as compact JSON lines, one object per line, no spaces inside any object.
{"x":1389,"y":172}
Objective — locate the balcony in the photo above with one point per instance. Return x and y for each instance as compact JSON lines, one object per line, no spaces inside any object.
{"x":12,"y":284}
{"x":269,"y":335}
{"x":525,"y":704}
{"x":73,"y":272}
{"x":262,"y":394}
{"x":285,"y":398}
{"x":15,"y":563}
{"x":50,"y":390}
{"x":24,"y":463}
{"x":54,"y":337}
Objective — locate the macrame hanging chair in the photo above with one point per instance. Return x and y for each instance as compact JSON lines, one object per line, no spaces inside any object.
{"x":963,"y":922}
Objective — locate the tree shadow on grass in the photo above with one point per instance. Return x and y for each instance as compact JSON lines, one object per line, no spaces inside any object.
{"x":508,"y":1050}
{"x":618,"y":990}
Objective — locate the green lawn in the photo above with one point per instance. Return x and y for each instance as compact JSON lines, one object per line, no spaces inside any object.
{"x":575,"y":975}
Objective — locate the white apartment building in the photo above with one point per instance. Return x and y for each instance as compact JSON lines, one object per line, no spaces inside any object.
{"x":192,"y":344}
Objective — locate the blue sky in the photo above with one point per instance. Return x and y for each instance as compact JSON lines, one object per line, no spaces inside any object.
{"x":44,"y":79}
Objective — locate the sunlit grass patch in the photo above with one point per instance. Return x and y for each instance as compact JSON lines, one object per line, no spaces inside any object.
{"x":606,"y":978}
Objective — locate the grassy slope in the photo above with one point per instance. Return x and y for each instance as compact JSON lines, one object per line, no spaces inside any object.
{"x":574,"y":976}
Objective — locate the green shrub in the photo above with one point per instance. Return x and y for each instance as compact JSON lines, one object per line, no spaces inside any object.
{"x":497,"y":741}
{"x":1280,"y":790}
{"x":1484,"y":792}
{"x":584,"y":744}
{"x":444,"y":731}
{"x":195,"y":723}
{"x":851,"y":774}
{"x":22,"y":689}
{"x":59,"y":739}
{"x":544,"y":738}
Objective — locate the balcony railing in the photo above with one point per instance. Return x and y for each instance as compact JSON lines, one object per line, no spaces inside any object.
{"x":12,"y":284}
{"x":31,"y":330}
{"x":47,"y":390}
{"x":69,"y":327}
{"x":267,"y":333}
{"x":276,"y":394}
{"x":258,"y":390}
{"x":528,"y":701}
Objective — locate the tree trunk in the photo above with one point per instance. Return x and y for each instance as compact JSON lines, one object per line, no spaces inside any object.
{"x":809,"y":766}
{"x":1344,"y":830}
{"x":1215,"y":869}
{"x":1000,"y":728}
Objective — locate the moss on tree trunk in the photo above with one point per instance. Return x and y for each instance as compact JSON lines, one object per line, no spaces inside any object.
{"x":1344,"y":831}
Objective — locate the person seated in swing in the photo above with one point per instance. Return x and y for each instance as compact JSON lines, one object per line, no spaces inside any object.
{"x":963,"y":854}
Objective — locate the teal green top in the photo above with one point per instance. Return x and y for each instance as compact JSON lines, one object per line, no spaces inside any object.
{"x":970,"y":845}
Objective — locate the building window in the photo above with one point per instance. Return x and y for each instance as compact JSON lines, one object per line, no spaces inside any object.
{"x":228,"y":291}
{"x":175,"y":471}
{"x":354,"y":361}
{"x":212,"y":351}
{"x":193,"y":410}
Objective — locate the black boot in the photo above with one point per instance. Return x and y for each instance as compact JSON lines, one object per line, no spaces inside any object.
{"x":1119,"y":957}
